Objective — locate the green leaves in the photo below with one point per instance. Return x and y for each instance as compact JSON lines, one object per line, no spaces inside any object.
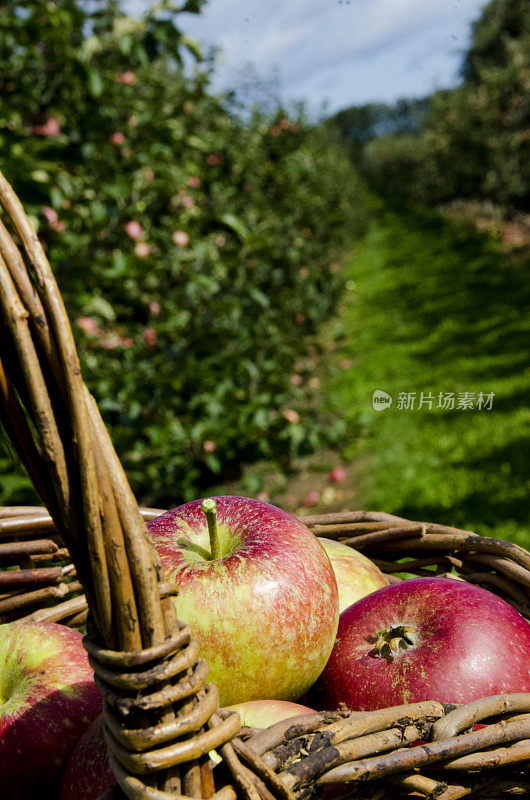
{"x":235,"y":225}
{"x":95,"y":82}
{"x":99,"y":306}
{"x":192,"y":45}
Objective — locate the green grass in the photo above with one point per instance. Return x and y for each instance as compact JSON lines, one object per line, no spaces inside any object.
{"x":434,"y":307}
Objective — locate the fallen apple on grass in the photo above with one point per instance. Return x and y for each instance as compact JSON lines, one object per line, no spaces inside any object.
{"x":425,"y":639}
{"x":258,"y":591}
{"x":47,"y":700}
{"x":338,"y":475}
{"x":356,"y":575}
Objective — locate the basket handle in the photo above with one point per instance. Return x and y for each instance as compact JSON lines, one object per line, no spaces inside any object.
{"x":145,"y":662}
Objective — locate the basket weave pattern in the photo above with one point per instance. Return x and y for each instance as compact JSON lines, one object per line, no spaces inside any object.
{"x":90,"y":560}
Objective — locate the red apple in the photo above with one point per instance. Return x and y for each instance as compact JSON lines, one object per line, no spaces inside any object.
{"x":260,"y":595}
{"x":47,"y":700}
{"x":426,"y":639}
{"x":337,"y":475}
{"x":356,"y":575}
{"x":88,"y":775}
{"x":312,"y":498}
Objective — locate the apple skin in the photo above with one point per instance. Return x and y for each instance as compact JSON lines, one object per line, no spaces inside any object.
{"x":467,"y":643}
{"x":266,"y":612}
{"x":47,"y":700}
{"x":88,"y":775}
{"x":356,"y":575}
{"x":264,"y":713}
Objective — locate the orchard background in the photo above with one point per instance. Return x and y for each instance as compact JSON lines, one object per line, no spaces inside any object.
{"x":195,"y":245}
{"x":240,"y":280}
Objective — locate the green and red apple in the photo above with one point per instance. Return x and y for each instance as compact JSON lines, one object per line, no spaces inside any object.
{"x":47,"y":700}
{"x":264,"y":713}
{"x":356,"y":575}
{"x":258,"y":591}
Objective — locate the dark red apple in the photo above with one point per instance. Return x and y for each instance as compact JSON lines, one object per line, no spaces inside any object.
{"x":259,"y":593}
{"x":47,"y":700}
{"x":88,"y":775}
{"x":425,"y":639}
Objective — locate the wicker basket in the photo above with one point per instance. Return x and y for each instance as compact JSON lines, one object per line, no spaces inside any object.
{"x":88,"y":557}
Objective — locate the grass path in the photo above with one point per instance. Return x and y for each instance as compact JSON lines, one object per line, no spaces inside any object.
{"x":436,"y":308}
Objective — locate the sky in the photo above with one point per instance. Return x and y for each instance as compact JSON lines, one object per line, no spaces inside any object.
{"x":336,"y":53}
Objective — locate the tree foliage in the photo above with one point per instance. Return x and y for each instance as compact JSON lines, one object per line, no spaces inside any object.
{"x":195,"y":251}
{"x":475,"y":139}
{"x":501,"y":25}
{"x":360,"y":124}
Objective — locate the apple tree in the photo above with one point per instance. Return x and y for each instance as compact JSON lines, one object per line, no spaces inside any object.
{"x":196,"y":247}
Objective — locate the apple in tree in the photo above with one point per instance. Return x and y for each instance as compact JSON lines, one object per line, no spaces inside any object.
{"x":356,"y":575}
{"x":425,"y":639}
{"x":47,"y":700}
{"x":258,"y":590}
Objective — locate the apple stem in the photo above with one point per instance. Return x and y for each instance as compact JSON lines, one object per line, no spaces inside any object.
{"x":186,"y":545}
{"x":209,"y":508}
{"x":391,"y":641}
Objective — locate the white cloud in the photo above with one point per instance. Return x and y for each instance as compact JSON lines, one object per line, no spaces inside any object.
{"x":338,"y":49}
